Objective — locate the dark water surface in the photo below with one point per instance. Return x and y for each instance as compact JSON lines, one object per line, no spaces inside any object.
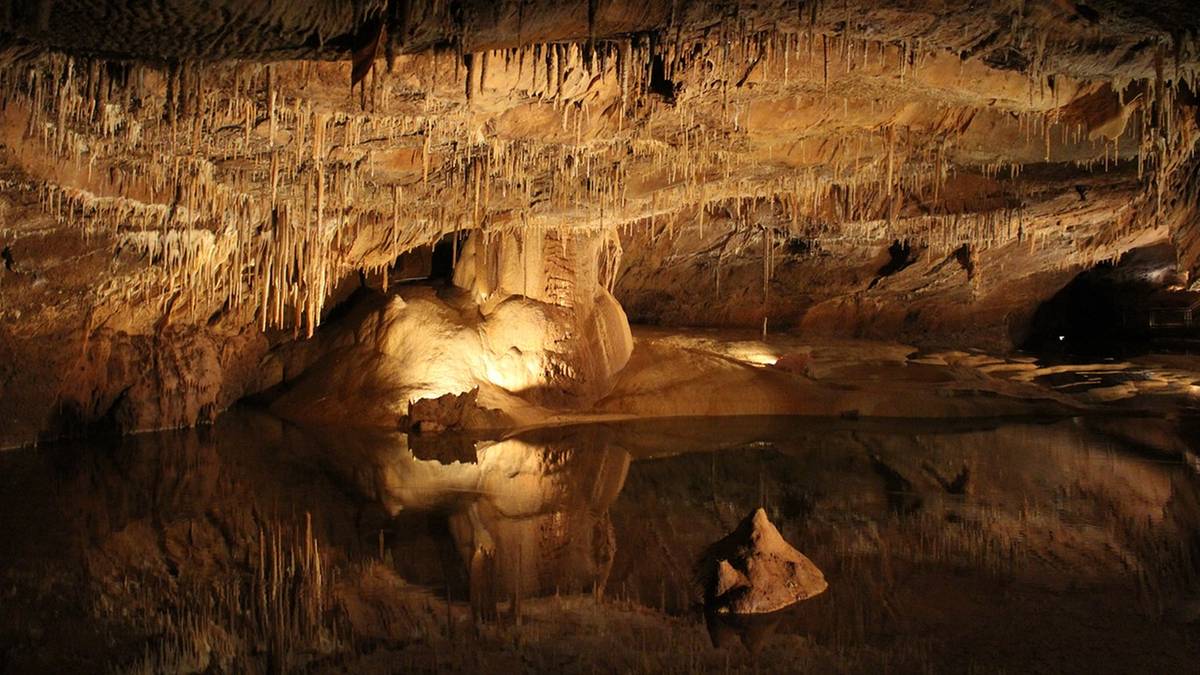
{"x":985,"y":546}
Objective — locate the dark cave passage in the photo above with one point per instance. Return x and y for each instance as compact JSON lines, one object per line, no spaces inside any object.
{"x":1118,"y":310}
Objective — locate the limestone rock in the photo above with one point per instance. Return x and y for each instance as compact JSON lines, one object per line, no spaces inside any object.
{"x":431,"y":415}
{"x":754,"y":571}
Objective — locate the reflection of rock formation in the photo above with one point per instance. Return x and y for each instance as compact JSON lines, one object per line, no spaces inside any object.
{"x":546,"y":510}
{"x":181,"y":504}
{"x":529,"y":516}
{"x":902,"y":499}
{"x":752,"y":629}
{"x":1030,"y":486}
{"x":1052,"y":512}
{"x":1179,"y":558}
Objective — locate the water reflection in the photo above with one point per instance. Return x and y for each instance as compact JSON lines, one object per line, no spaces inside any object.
{"x":751,"y":630}
{"x":907,"y":519}
{"x":579,"y":508}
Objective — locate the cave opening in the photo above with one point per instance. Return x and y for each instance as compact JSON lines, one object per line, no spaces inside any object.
{"x":659,"y":83}
{"x":900,"y":256}
{"x":1120,"y":309}
{"x":444,"y":257}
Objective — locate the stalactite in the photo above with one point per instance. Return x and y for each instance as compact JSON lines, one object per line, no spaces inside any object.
{"x":470,"y":178}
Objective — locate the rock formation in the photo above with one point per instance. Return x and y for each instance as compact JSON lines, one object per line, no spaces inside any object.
{"x":558,"y":343}
{"x":754,"y":571}
{"x":197,"y":184}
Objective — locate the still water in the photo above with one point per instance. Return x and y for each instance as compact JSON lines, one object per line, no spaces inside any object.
{"x":254,"y":545}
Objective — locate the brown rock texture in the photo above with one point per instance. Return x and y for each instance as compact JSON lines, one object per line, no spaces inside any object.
{"x":754,"y":571}
{"x":908,"y":170}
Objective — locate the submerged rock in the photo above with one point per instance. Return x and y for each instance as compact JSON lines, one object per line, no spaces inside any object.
{"x":754,"y":571}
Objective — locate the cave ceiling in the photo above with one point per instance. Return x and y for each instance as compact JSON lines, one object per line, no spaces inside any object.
{"x":177,"y":161}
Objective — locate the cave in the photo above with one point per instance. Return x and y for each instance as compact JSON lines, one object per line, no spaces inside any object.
{"x":1129,"y":307}
{"x":560,"y":336}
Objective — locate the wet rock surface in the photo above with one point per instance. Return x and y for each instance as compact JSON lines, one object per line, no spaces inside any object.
{"x":754,"y":571}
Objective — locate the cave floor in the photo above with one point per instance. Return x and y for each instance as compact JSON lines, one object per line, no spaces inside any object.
{"x":1028,"y":544}
{"x":700,"y":372}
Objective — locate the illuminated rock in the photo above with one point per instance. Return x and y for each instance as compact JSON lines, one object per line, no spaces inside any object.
{"x":555,"y":343}
{"x":754,"y":571}
{"x":205,"y":166}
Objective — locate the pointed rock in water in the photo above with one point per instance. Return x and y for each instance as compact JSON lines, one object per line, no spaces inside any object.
{"x":754,"y":571}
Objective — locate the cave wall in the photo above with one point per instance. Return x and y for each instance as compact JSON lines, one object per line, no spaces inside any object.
{"x":728,"y":269}
{"x":184,"y":185}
